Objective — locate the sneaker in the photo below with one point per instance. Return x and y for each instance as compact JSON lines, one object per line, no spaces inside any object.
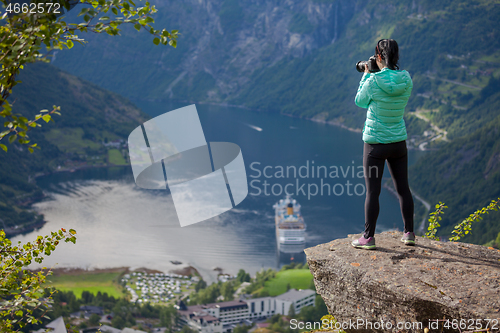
{"x":408,"y":238}
{"x":363,"y":243}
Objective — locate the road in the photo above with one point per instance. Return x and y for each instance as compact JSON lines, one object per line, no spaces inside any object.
{"x":427,"y":206}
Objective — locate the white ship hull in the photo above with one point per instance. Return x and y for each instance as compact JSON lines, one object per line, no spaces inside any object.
{"x":290,"y":226}
{"x":286,"y":236}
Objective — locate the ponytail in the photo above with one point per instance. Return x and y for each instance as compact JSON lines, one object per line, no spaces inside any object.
{"x":389,"y":51}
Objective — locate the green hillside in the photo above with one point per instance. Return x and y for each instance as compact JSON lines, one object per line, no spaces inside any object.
{"x":451,"y":48}
{"x":299,"y":59}
{"x":93,"y":282}
{"x":291,"y":278}
{"x":90,"y":117}
{"x":441,"y":49}
{"x":465,"y":174}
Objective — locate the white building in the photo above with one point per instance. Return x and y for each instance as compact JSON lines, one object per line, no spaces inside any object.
{"x":260,"y":308}
{"x":131,"y":330}
{"x":297,"y":298}
{"x":224,"y":316}
{"x":206,"y":324}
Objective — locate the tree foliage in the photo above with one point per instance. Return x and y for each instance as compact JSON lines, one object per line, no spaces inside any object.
{"x":243,"y":276}
{"x":200,"y":285}
{"x":187,"y":329}
{"x":206,"y":295}
{"x":21,"y":290}
{"x":434,"y":221}
{"x":464,"y":227}
{"x":27,"y":37}
{"x":241,"y":329}
{"x":313,"y":313}
{"x":260,"y":279}
{"x":227,"y":290}
{"x":169,"y":317}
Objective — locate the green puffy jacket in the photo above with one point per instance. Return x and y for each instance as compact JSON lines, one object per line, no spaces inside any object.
{"x":385,"y":94}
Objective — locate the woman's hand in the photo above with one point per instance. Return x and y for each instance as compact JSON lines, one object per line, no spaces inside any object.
{"x":366,"y":68}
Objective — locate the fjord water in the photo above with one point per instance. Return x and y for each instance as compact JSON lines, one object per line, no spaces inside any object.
{"x":119,"y":224}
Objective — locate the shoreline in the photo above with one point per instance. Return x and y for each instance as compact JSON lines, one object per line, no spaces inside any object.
{"x":27,"y":228}
{"x":82,"y":167}
{"x":58,"y":271}
{"x":319,"y":118}
{"x":329,"y":122}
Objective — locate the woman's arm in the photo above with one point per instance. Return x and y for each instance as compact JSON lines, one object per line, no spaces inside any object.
{"x":363,"y":97}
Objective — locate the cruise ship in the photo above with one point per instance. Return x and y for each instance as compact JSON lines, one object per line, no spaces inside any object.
{"x":290,"y":226}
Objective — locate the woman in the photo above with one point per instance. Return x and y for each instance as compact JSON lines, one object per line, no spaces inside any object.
{"x":385,"y":94}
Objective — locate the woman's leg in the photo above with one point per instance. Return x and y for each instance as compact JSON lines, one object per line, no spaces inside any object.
{"x":373,"y":168}
{"x":398,"y":167}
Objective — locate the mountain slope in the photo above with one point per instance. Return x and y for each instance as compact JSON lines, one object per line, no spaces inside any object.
{"x":465,"y":174}
{"x":297,"y":57}
{"x":90,"y":115}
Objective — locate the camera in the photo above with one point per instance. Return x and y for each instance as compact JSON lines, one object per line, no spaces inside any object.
{"x":372,"y":65}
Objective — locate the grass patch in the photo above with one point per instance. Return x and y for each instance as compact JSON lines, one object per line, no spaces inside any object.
{"x":297,"y":278}
{"x":491,"y":58}
{"x":70,"y":140}
{"x":92,"y":282}
{"x":115,"y":157}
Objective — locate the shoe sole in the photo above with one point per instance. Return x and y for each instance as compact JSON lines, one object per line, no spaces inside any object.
{"x":408,"y":242}
{"x":365,"y":247}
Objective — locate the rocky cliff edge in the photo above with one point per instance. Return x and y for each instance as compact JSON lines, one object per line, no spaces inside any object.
{"x":457,"y":283}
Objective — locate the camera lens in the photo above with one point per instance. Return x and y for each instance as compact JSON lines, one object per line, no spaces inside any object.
{"x":360,"y":66}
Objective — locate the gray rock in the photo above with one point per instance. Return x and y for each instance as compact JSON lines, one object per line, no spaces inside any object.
{"x":408,"y":285}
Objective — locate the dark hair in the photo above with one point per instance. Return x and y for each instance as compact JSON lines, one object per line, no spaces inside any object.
{"x":389,"y":51}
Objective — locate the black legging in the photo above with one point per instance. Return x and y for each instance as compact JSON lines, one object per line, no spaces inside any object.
{"x":374,"y":156}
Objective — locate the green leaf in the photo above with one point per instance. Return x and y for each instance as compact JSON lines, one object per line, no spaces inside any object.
{"x":12,"y":138}
{"x":156,"y":41}
{"x":83,"y":11}
{"x":137,"y":26}
{"x":114,"y":10}
{"x":46,"y":117}
{"x":72,"y":231}
{"x":4,"y":147}
{"x":70,"y":44}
